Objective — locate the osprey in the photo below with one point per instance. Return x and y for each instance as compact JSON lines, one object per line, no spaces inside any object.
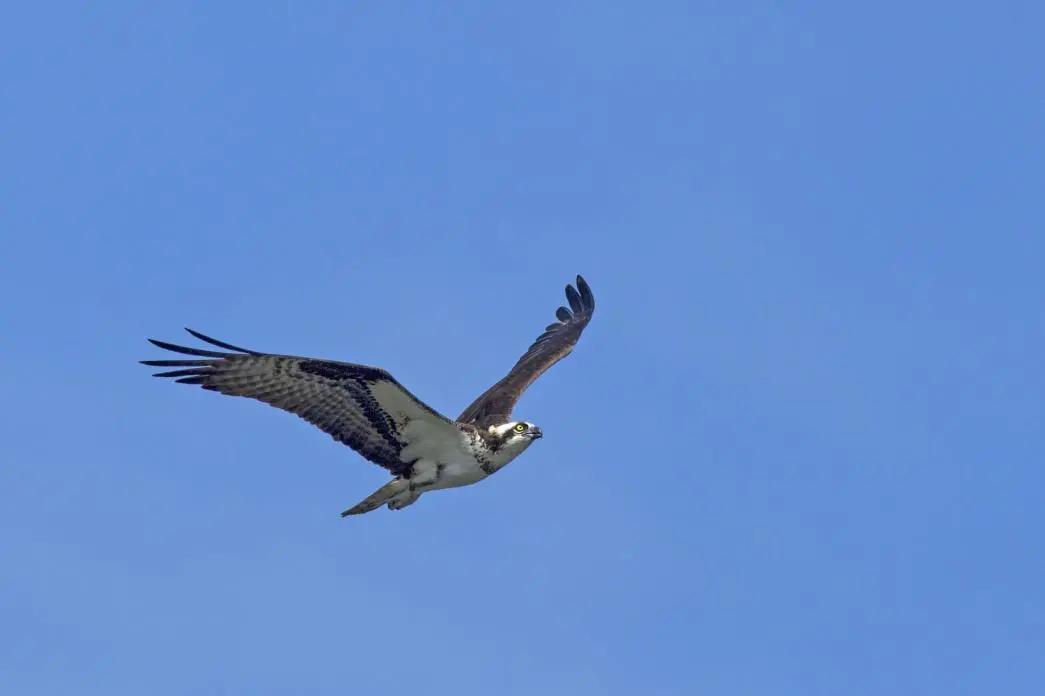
{"x":368,"y":410}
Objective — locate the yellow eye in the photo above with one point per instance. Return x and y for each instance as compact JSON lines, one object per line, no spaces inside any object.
{"x":520,"y":428}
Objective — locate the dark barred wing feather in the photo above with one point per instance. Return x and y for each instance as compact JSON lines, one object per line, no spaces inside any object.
{"x":360,"y":406}
{"x":496,"y":404}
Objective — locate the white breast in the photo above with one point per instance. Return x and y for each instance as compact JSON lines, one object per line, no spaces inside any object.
{"x":440,"y":455}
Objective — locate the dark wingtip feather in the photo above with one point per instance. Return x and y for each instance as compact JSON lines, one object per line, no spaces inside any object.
{"x":563,"y":314}
{"x":191,"y":380}
{"x":187,"y":351}
{"x":586,"y":295}
{"x":220,"y":344}
{"x":176,"y":363}
{"x":183,"y":373}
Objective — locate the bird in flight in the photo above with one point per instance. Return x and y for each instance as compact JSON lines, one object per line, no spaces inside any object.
{"x":368,"y":410}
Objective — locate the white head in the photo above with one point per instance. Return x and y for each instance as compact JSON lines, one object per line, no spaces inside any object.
{"x":516,"y":435}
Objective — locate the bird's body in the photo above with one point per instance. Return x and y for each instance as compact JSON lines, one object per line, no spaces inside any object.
{"x":457,"y":461}
{"x":368,"y":410}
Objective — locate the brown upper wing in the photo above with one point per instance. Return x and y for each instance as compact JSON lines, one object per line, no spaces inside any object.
{"x":496,"y":404}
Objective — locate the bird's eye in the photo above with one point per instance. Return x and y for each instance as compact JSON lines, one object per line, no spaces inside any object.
{"x":520,"y":428}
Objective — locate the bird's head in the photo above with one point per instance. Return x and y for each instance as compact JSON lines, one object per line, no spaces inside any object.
{"x":516,"y":435}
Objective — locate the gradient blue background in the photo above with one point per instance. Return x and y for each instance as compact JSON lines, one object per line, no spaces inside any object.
{"x":798,"y":451}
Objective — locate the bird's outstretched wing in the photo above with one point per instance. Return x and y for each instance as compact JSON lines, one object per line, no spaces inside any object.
{"x":497,"y":402}
{"x":360,"y":406}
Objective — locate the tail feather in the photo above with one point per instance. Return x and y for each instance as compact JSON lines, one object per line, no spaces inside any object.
{"x":378,"y":497}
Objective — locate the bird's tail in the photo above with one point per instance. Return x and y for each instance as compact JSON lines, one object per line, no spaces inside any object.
{"x":379,"y":497}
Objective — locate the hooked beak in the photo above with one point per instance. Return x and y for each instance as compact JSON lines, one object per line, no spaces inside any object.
{"x":536,"y":433}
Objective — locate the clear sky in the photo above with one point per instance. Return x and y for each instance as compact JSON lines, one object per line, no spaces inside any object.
{"x":799,"y":450}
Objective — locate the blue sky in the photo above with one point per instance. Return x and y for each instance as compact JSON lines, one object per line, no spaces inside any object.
{"x":799,"y":450}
